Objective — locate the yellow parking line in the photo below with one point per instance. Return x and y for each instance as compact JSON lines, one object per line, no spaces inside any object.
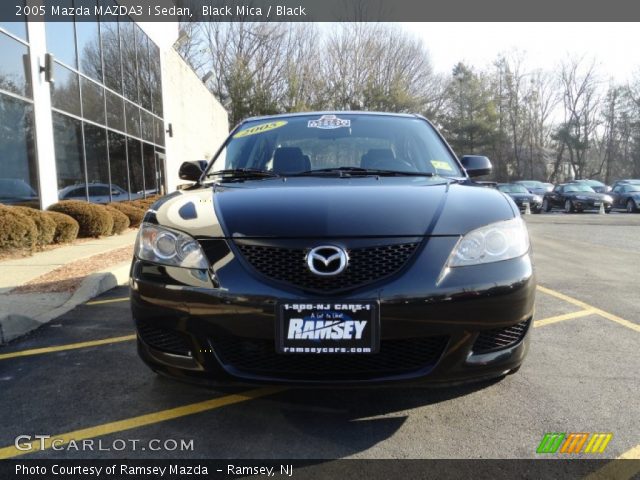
{"x":561,"y":318}
{"x":110,"y":300}
{"x":620,"y":470}
{"x":70,"y":346}
{"x":136,"y":422}
{"x":586,"y":306}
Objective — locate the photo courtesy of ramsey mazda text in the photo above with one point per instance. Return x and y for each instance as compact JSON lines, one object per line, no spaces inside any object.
{"x":334,"y":248}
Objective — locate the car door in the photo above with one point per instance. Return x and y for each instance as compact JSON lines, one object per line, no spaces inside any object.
{"x":556,"y":197}
{"x":617,"y":195}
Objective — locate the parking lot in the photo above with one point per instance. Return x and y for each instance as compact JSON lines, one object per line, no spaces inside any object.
{"x":79,"y":377}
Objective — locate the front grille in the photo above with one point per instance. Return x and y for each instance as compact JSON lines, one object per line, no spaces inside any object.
{"x":498,"y":338}
{"x":366,"y":265}
{"x":164,"y":339}
{"x":258,"y":357}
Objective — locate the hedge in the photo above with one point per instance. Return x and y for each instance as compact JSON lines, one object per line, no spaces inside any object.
{"x":67,"y":227}
{"x":120,"y":220}
{"x":17,"y":230}
{"x":94,"y":220}
{"x":135,"y":214}
{"x":46,"y":225}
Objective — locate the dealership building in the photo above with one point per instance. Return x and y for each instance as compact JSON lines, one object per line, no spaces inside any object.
{"x":99,"y":111}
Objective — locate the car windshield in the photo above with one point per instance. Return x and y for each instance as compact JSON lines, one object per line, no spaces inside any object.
{"x":578,"y":187}
{"x":531,"y":183}
{"x":350,"y":144}
{"x":593,"y":183}
{"x":512,"y":189}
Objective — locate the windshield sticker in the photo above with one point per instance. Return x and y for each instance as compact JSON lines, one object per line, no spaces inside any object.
{"x":440,"y":165}
{"x":265,"y":127}
{"x":329,"y":122}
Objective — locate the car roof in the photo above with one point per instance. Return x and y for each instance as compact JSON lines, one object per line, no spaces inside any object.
{"x":333,"y":112}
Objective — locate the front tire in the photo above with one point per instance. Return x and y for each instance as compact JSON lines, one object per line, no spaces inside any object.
{"x":568,"y":206}
{"x":631,"y":206}
{"x":545,"y":205}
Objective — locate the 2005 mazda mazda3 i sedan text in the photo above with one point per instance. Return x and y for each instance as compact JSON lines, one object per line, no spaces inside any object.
{"x":333,"y":248}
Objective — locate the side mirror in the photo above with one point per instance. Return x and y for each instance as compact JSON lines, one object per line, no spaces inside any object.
{"x":191,"y":171}
{"x":476,"y":165}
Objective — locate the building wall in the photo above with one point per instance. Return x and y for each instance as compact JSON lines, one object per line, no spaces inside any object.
{"x":98,"y":132}
{"x":198,"y":121}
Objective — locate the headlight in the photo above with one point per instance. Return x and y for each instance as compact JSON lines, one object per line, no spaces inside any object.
{"x":607,"y":198}
{"x":492,"y":243}
{"x":537,"y":198}
{"x":169,"y":247}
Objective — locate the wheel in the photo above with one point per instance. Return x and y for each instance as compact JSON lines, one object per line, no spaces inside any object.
{"x":568,"y":206}
{"x":631,"y":206}
{"x":545,"y":205}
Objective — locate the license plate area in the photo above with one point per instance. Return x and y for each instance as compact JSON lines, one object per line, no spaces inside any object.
{"x":328,"y":328}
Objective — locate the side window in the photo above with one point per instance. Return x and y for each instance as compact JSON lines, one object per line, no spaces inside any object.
{"x":618,"y":189}
{"x":98,"y":191}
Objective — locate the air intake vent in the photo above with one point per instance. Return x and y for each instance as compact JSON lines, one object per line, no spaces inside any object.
{"x":498,"y":338}
{"x":166,"y":340}
{"x":257,"y":357}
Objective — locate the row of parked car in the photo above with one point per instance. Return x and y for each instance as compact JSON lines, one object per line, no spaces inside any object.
{"x":574,"y":196}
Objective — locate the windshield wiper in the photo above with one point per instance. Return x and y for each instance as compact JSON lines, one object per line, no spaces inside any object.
{"x":242,"y":173}
{"x":352,"y":171}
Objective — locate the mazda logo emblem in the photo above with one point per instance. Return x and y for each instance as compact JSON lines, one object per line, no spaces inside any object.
{"x":327,"y":260}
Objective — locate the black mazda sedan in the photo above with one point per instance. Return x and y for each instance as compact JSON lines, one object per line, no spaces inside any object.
{"x":576,"y":197}
{"x":333,"y":248}
{"x":522,"y":197}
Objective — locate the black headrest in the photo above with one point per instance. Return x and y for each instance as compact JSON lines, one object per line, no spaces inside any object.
{"x":290,"y":160}
{"x":377,"y":157}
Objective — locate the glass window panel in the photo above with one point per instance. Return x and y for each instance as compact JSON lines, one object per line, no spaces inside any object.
{"x":111,"y":54}
{"x":158,"y":131}
{"x":156,"y":78}
{"x":129,"y":63}
{"x":67,"y":139}
{"x":160,"y":161}
{"x":65,"y":93}
{"x":133,"y":119}
{"x":150,"y":173}
{"x":18,"y":172}
{"x":19,"y":29}
{"x":95,"y":140}
{"x":14,"y":66}
{"x":144,"y":74}
{"x":147,"y":125}
{"x":118,"y":164}
{"x":136,"y":172}
{"x":115,"y":111}
{"x":92,"y":101}
{"x":88,"y":38}
{"x":61,"y":40}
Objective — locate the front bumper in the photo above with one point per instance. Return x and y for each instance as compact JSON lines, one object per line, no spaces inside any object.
{"x":590,"y":204}
{"x":471,"y":324}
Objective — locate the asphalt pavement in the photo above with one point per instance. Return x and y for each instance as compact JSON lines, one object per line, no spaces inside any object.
{"x":79,"y":376}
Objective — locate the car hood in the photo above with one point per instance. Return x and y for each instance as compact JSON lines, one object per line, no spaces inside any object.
{"x":331,"y":208}
{"x":590,"y":195}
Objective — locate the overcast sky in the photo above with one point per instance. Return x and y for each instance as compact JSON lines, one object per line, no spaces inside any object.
{"x":615,"y":46}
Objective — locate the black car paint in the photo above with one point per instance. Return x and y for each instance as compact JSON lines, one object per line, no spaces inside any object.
{"x":626,"y":196}
{"x":559,"y":196}
{"x":231,"y":298}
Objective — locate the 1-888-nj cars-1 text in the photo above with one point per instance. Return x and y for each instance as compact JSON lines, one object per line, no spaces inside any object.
{"x":334,"y":248}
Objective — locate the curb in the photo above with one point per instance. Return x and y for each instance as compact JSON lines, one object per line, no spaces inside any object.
{"x":13,"y":326}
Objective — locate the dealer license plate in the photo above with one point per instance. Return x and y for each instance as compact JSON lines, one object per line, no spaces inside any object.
{"x":328,"y":327}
